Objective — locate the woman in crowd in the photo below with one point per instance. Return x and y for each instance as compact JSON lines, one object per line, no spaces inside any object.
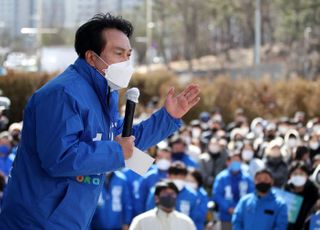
{"x":299,"y":184}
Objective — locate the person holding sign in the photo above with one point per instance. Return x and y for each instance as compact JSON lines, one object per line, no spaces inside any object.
{"x":299,"y":184}
{"x":262,"y":209}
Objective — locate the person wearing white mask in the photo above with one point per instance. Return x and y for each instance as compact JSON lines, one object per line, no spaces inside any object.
{"x":157,"y":173}
{"x":250,"y":163}
{"x":299,"y":184}
{"x":314,"y":145}
{"x":292,"y":141}
{"x":212,"y":162}
{"x":72,"y":132}
{"x":187,"y":197}
{"x":194,"y":180}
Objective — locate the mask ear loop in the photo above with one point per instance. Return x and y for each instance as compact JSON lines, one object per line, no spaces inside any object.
{"x":100,"y":60}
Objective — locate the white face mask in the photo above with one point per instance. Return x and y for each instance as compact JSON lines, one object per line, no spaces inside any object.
{"x":179,"y":183}
{"x":163,"y":164}
{"x":298,"y":180}
{"x":118,"y":74}
{"x":214,"y":148}
{"x":292,"y":142}
{"x":247,"y":155}
{"x":314,"y":145}
{"x":192,"y":185}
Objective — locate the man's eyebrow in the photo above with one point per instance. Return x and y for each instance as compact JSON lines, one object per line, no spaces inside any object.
{"x":122,"y":49}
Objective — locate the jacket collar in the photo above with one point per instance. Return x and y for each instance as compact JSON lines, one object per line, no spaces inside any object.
{"x":99,"y":85}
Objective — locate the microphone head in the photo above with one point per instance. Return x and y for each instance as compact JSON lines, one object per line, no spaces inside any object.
{"x":133,"y":94}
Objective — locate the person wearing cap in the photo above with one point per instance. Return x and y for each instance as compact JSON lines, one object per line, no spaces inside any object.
{"x":187,"y":197}
{"x":178,"y":150}
{"x":262,"y":209}
{"x":159,"y":172}
{"x":300,"y":184}
{"x":163,"y":216}
{"x":114,"y":209}
{"x":229,"y":186}
{"x":72,"y":132}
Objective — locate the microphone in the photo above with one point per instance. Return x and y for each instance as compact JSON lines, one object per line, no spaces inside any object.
{"x":132,"y":96}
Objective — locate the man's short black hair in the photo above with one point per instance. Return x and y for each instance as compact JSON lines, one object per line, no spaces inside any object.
{"x":264,"y":171}
{"x":178,"y":168}
{"x":89,"y":35}
{"x":197,"y":176}
{"x":163,"y":185}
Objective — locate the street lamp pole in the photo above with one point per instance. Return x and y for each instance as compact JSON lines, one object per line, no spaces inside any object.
{"x":257,"y":37}
{"x":149,"y":26}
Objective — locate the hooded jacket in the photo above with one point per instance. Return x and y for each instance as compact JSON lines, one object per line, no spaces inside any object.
{"x":66,"y":146}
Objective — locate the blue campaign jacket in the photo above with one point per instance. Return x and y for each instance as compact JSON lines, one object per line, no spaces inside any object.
{"x":114,"y":207}
{"x":252,"y":212}
{"x":186,"y":159}
{"x":65,"y":148}
{"x":133,"y":180}
{"x":186,"y":202}
{"x":202,"y":208}
{"x":224,"y":191}
{"x":146,"y":183}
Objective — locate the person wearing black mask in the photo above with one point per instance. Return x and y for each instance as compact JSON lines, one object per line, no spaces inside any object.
{"x":178,"y":148}
{"x":164,"y":216}
{"x":262,"y":209}
{"x":212,"y":162}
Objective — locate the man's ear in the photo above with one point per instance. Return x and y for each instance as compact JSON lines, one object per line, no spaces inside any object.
{"x":89,"y":56}
{"x":156,"y":200}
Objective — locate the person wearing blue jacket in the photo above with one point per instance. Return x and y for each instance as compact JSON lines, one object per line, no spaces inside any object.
{"x":178,"y":150}
{"x":159,"y":172}
{"x":262,"y":209}
{"x":230,"y":185}
{"x":195,"y":181}
{"x":133,"y":181}
{"x":187,"y":197}
{"x":71,"y":132}
{"x":114,"y":209}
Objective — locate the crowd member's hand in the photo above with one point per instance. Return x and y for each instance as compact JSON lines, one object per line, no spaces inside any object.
{"x":178,"y":106}
{"x":127,"y":144}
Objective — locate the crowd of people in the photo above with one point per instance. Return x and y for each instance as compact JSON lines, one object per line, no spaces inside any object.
{"x":259,"y":174}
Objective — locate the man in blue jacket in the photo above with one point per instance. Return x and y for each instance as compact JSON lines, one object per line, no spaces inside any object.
{"x":114,"y":210}
{"x":261,"y":210}
{"x":230,"y":185}
{"x":70,"y":124}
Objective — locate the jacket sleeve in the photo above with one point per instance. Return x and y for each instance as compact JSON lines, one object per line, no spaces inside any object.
{"x":127,"y":201}
{"x":237,"y":217}
{"x":143,"y":195}
{"x":59,"y":147}
{"x":218,"y":195}
{"x":200,"y":209}
{"x":282,"y":218}
{"x":150,"y":204}
{"x":156,"y":128}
